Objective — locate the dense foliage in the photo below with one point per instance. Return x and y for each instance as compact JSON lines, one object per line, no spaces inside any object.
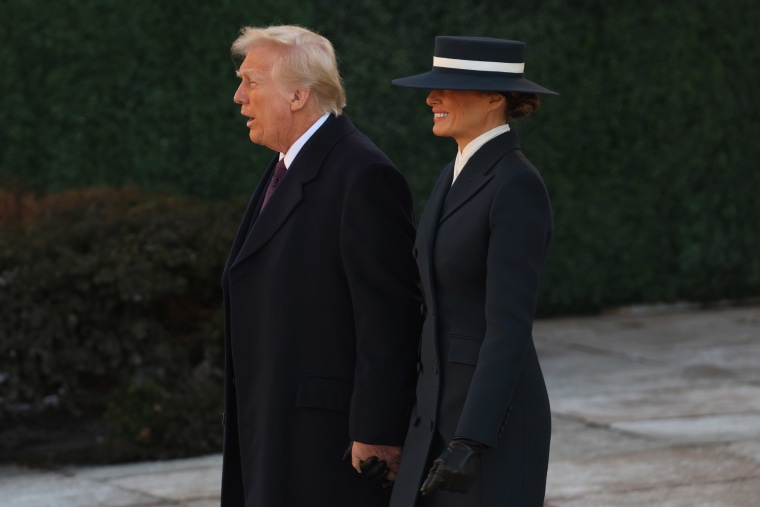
{"x":648,"y":152}
{"x":110,"y":302}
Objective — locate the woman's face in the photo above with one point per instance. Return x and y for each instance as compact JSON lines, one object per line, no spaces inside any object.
{"x":464,"y":115}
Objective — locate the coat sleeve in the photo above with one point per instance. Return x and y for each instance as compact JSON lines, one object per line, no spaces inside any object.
{"x":376,"y":241}
{"x":520,"y":226}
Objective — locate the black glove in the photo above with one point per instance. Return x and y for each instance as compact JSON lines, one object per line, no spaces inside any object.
{"x":374,"y":469}
{"x":455,"y":468}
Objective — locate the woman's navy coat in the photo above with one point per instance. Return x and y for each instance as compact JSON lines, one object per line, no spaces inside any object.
{"x":481,"y":246}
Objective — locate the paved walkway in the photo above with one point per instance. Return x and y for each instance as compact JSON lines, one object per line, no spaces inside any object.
{"x":652,"y":407}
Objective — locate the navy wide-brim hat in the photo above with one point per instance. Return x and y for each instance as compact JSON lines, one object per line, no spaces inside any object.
{"x":478,"y":64}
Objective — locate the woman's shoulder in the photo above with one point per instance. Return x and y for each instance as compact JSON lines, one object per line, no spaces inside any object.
{"x":515,"y":165}
{"x":516,"y":179}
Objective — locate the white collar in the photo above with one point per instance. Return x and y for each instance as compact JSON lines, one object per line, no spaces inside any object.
{"x":296,"y":147}
{"x":473,"y":146}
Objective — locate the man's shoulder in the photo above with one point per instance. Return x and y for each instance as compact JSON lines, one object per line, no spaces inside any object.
{"x":359,"y":148}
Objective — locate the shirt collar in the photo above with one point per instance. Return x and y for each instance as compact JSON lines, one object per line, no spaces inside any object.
{"x":473,"y":146}
{"x":296,"y":147}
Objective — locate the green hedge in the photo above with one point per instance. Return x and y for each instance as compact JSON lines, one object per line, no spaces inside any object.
{"x":648,"y":153}
{"x":110,"y":308}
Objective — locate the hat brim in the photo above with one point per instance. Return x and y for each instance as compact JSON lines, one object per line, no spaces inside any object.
{"x":434,"y":80}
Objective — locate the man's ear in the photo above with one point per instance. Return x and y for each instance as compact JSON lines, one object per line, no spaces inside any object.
{"x":299,"y":98}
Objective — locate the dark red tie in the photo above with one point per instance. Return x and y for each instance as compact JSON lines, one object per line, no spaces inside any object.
{"x":279,"y":173}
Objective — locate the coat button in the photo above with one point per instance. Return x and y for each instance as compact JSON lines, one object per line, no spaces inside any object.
{"x":432,"y":425}
{"x":414,"y":252}
{"x":423,"y":309}
{"x":419,"y":366}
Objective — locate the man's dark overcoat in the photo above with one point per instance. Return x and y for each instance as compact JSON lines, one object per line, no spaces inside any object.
{"x":322,"y":324}
{"x":481,"y":246}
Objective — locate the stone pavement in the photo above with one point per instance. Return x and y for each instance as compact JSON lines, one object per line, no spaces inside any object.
{"x":652,"y":407}
{"x":655,"y":410}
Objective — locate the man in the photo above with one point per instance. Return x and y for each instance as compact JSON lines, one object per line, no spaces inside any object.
{"x":320,"y":290}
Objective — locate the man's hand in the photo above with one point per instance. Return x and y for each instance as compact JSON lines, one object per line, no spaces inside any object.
{"x":385,"y":456}
{"x":455,"y":468}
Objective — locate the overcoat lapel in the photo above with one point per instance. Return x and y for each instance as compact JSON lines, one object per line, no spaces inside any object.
{"x":463,"y":190}
{"x":304,"y":168}
{"x":250,"y":215}
{"x":428,"y":225}
{"x":476,"y":173}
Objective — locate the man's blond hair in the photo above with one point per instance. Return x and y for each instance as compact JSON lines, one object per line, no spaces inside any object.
{"x":309,"y":61}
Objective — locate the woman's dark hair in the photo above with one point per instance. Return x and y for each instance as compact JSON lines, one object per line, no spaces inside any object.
{"x":520,"y":105}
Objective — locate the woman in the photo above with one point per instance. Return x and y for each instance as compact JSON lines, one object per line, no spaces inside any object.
{"x":479,"y":435}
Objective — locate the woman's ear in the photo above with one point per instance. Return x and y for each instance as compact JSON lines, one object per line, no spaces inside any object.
{"x":496,"y":100}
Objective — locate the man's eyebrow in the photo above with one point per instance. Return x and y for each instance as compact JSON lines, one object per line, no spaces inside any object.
{"x":247,"y":73}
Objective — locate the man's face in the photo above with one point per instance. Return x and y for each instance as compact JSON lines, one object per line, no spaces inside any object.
{"x":262,"y":101}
